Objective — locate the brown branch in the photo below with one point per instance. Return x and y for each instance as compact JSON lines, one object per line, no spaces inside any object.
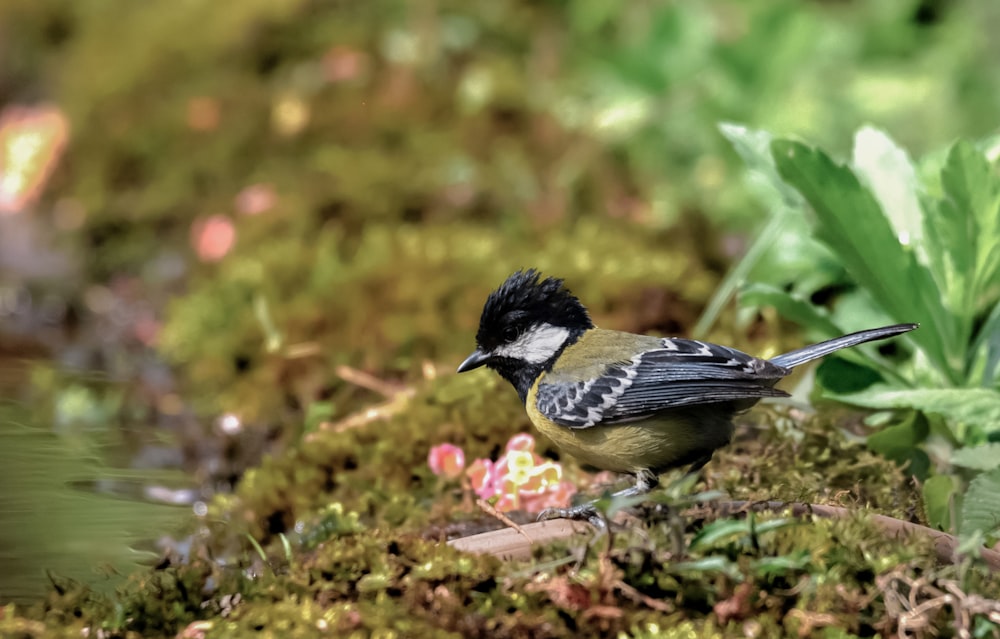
{"x":511,"y":544}
{"x":385,"y":410}
{"x":368,"y":381}
{"x":487,"y":508}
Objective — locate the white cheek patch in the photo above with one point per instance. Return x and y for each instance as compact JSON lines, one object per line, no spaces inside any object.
{"x":537,"y":345}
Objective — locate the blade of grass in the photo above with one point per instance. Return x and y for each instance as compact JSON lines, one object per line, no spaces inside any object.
{"x":738,"y":274}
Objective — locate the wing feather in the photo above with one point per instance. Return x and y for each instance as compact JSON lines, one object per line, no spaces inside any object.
{"x":678,"y":373}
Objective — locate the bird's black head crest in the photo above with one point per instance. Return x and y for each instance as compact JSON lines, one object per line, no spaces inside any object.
{"x":525,"y":300}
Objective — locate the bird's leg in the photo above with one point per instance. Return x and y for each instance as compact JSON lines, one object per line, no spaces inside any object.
{"x":695,"y":467}
{"x":645,"y":481}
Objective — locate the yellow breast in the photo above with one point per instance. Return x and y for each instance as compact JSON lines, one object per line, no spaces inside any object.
{"x":657,"y":443}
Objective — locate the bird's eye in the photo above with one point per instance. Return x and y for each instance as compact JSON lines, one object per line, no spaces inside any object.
{"x":510,"y":334}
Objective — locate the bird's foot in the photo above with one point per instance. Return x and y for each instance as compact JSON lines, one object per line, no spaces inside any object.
{"x":645,"y":481}
{"x":583,"y":512}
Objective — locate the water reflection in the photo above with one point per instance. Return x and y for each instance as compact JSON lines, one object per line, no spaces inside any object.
{"x":64,"y":511}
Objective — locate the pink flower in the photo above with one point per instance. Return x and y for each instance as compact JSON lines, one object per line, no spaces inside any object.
{"x":555,"y":496}
{"x":521,"y":441}
{"x":213,"y":237}
{"x":344,"y":63}
{"x":256,"y":199}
{"x":481,"y":474}
{"x":520,"y":479}
{"x":446,"y":460}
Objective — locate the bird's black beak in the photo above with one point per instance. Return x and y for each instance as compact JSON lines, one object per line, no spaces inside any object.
{"x":477,"y":359}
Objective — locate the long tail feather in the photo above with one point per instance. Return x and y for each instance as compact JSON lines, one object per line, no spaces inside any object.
{"x":814,"y":351}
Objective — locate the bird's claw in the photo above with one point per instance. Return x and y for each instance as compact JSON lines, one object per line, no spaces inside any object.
{"x":583,"y":512}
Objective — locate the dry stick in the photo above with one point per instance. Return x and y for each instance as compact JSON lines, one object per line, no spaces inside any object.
{"x":487,"y":508}
{"x":510,"y":544}
{"x":382,"y":411}
{"x":367,"y":380}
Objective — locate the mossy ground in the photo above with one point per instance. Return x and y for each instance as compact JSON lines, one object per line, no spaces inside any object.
{"x":351,"y":522}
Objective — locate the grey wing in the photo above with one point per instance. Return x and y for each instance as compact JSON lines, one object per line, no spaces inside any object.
{"x":681,"y":373}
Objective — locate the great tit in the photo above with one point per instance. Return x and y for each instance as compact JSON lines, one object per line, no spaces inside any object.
{"x":617,"y":401}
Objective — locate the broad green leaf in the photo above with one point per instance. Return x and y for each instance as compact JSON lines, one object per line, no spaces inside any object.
{"x":837,"y":374}
{"x":887,"y":170}
{"x":982,"y":457}
{"x":900,"y":443}
{"x":939,"y":491}
{"x":950,"y":243}
{"x":851,"y":222}
{"x":981,"y":506}
{"x":754,"y":147}
{"x":971,"y":185}
{"x":979,"y":406}
{"x":987,"y":347}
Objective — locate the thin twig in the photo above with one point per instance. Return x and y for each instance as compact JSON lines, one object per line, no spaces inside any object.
{"x":488,"y":508}
{"x":367,"y":380}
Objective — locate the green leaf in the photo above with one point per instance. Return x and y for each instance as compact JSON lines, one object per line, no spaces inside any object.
{"x":981,"y":506}
{"x":837,"y":374}
{"x":852,"y":224}
{"x":797,"y":309}
{"x":715,"y":564}
{"x":782,"y":564}
{"x":890,"y":175}
{"x":717,"y":531}
{"x":979,"y":406}
{"x":970,"y":184}
{"x":900,"y":442}
{"x":723,"y":530}
{"x":754,"y":148}
{"x":982,"y":457}
{"x":987,"y":348}
{"x":939,"y":491}
{"x":951,"y":255}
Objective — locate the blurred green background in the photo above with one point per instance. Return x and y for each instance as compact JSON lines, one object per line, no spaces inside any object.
{"x":381,"y":165}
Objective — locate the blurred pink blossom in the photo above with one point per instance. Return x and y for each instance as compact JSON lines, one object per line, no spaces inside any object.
{"x":344,"y":63}
{"x":256,"y":199}
{"x":521,"y":441}
{"x":447,"y":460}
{"x":480,"y":473}
{"x":520,"y":479}
{"x":213,"y":237}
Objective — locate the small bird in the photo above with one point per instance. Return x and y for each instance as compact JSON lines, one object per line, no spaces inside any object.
{"x":618,"y":401}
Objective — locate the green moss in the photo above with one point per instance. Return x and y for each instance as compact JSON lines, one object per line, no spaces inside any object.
{"x":812,"y":459}
{"x":396,"y":296}
{"x":360,"y":564}
{"x":380,"y":469}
